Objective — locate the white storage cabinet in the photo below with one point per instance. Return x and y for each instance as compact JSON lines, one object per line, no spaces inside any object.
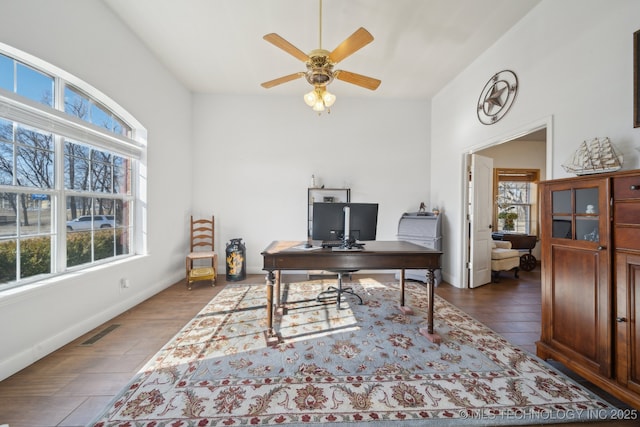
{"x":424,"y":230}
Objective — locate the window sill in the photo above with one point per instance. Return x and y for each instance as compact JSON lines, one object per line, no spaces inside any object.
{"x":25,"y":290}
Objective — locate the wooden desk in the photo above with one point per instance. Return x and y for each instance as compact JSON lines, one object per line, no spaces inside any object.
{"x":377,"y":255}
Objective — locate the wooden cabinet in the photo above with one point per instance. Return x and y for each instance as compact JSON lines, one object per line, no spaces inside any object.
{"x":627,"y":326}
{"x":626,"y":239}
{"x":590,"y":242}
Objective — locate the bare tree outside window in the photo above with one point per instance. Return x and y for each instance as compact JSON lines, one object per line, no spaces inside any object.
{"x":95,"y":190}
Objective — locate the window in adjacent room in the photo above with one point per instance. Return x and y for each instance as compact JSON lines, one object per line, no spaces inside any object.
{"x":68,"y":162}
{"x":515,"y":192}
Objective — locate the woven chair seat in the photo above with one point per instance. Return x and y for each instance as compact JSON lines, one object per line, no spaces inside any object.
{"x":200,"y":273}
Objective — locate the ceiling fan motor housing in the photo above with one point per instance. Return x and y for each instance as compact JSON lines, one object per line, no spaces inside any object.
{"x":319,"y":68}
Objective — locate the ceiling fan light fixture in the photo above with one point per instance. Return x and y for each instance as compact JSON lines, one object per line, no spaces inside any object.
{"x":319,"y":99}
{"x":328,"y":98}
{"x":310,"y":98}
{"x":318,"y":106}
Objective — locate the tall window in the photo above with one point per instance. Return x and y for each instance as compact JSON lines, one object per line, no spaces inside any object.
{"x":67,"y":173}
{"x":515,"y":193}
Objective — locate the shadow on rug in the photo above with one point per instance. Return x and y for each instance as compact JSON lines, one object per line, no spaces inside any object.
{"x":362,"y":364}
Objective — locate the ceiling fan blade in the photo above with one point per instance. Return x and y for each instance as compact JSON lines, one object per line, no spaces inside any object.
{"x":278,"y":41}
{"x":357,"y":79}
{"x":280,"y":80}
{"x":359,"y":39}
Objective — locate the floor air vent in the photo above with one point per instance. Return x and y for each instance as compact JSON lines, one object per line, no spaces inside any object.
{"x":100,"y":335}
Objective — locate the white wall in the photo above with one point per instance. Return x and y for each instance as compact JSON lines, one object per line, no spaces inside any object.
{"x":254,"y":157}
{"x":521,"y":154}
{"x":83,"y":38}
{"x":573,"y":59}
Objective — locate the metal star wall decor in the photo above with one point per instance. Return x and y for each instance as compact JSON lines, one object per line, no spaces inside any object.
{"x":497,"y":97}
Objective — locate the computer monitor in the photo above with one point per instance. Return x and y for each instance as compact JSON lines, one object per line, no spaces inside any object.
{"x":328,"y":221}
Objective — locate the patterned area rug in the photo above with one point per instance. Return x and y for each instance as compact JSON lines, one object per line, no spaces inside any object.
{"x":361,"y":364}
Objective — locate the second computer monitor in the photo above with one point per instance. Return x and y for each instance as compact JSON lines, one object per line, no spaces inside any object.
{"x":328,"y":221}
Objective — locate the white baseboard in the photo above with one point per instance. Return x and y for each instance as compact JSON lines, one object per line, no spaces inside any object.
{"x":18,"y":361}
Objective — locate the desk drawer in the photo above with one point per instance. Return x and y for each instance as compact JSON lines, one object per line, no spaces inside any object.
{"x":626,"y":187}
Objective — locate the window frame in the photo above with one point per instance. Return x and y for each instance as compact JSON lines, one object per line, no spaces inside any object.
{"x":529,"y":175}
{"x":130,"y":145}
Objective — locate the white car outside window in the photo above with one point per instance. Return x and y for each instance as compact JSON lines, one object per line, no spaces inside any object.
{"x":84,"y":222}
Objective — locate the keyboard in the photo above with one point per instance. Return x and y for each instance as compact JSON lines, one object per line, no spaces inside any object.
{"x":331,"y":243}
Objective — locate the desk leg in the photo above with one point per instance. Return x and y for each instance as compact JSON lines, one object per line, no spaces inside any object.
{"x":279,"y":307}
{"x":428,"y":331}
{"x":270,"y":334}
{"x":403,"y":308}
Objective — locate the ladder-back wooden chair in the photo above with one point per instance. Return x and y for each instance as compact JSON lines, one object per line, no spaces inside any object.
{"x":201,"y":251}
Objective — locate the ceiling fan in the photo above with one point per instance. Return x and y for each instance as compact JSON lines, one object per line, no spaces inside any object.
{"x":320,"y":64}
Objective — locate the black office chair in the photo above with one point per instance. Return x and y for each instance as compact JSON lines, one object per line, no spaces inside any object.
{"x":339,"y":290}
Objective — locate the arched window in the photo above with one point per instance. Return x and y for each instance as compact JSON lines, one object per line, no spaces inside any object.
{"x":69,"y":161}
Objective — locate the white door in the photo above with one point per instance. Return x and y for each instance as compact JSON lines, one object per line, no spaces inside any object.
{"x":480,"y":195}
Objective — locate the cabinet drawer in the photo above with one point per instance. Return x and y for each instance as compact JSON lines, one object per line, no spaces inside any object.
{"x":627,"y":187}
{"x":626,"y":237}
{"x":427,"y":243}
{"x":627,"y":213}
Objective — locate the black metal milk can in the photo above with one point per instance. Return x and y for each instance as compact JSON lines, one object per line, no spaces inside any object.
{"x":236,"y":260}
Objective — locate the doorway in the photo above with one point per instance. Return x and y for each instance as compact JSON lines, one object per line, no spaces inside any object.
{"x":530,"y":148}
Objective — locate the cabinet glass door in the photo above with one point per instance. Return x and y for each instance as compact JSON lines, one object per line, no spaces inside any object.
{"x":587,"y":214}
{"x":561,"y":211}
{"x":576,"y":209}
{"x":576,"y":283}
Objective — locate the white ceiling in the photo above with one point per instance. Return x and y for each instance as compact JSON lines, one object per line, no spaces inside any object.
{"x":216,"y":46}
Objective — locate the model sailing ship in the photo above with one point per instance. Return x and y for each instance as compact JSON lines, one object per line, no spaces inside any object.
{"x":595,"y":156}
